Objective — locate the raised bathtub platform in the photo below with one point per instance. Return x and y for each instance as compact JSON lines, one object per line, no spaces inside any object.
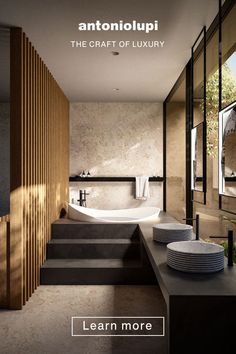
{"x":93,"y":254}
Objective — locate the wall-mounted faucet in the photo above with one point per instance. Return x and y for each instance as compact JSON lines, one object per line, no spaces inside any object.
{"x":230,"y":238}
{"x":197,"y":219}
{"x":82,"y":197}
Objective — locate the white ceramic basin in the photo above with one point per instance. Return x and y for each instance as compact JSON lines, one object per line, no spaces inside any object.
{"x":171,"y":232}
{"x":195,"y":256}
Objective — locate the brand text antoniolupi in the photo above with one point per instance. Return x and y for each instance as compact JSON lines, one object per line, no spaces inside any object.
{"x":119,"y":26}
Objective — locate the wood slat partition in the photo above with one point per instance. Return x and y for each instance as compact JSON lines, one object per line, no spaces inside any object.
{"x":39,"y":164}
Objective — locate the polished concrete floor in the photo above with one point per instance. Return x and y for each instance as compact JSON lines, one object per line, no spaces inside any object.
{"x":44,"y":324}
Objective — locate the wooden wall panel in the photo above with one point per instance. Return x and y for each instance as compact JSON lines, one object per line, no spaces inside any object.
{"x":39,"y":164}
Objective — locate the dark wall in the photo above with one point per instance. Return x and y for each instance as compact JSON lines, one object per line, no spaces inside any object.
{"x":4,"y":122}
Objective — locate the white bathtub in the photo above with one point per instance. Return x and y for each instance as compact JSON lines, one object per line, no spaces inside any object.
{"x":136,"y":215}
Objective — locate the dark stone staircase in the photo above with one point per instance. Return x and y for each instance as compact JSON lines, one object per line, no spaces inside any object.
{"x":83,"y":253}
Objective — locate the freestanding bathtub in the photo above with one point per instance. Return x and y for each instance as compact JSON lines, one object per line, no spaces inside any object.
{"x":136,"y":215}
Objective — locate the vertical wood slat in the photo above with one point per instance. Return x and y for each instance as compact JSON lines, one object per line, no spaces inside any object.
{"x":16,"y":185}
{"x":28,"y":169}
{"x":24,"y":182}
{"x":39,"y":164}
{"x":29,"y":138}
{"x":34,"y":127}
{"x":27,"y":163}
{"x":41,"y":161}
{"x":37,"y":274}
{"x":43,"y":142}
{"x":36,"y":170}
{"x":32,"y":219}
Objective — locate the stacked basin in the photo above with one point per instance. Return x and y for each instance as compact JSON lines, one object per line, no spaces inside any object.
{"x":172,"y":232}
{"x":195,"y":256}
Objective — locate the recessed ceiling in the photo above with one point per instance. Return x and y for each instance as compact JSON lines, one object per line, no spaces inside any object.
{"x":89,"y":74}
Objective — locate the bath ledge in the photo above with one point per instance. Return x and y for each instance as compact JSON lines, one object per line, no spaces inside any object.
{"x":112,"y":179}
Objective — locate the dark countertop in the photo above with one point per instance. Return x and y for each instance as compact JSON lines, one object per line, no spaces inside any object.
{"x":175,"y":283}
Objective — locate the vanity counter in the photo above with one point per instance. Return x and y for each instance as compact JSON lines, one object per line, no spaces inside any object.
{"x":200,"y":307}
{"x":176,"y":283}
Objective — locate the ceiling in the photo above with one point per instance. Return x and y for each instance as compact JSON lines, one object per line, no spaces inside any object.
{"x":89,"y":74}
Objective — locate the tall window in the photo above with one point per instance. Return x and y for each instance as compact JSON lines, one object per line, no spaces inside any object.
{"x":176,"y":149}
{"x":229,"y":58}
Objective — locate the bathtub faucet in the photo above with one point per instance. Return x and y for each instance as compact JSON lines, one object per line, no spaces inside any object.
{"x":82,"y":197}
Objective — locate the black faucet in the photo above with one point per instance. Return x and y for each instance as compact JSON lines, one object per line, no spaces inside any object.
{"x":197,"y":219}
{"x":82,"y":197}
{"x":230,"y":238}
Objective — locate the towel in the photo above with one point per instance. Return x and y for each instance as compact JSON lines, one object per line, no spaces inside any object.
{"x":142,"y":188}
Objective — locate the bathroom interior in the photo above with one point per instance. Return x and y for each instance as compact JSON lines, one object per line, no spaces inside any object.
{"x":118,"y":185}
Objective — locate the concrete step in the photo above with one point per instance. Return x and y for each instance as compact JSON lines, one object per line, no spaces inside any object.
{"x":95,"y":272}
{"x":65,"y":228}
{"x":93,"y":248}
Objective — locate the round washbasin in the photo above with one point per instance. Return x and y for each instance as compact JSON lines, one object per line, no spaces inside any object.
{"x":195,"y":256}
{"x":172,"y":232}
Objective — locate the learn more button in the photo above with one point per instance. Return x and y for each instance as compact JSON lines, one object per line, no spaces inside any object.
{"x":153,"y":326}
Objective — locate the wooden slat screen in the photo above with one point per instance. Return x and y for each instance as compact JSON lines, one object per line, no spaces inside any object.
{"x":39,"y":164}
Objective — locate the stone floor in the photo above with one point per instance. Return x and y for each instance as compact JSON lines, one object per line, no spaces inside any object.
{"x":44,"y":324}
